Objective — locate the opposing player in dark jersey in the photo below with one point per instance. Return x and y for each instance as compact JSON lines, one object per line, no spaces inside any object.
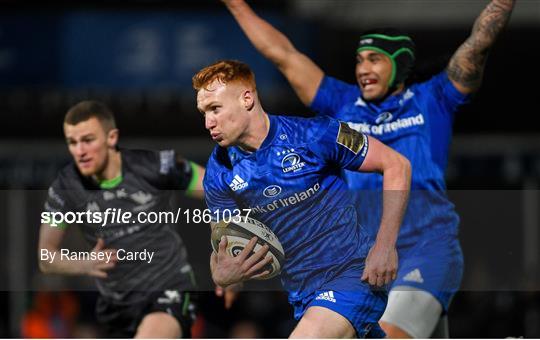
{"x":287,"y":171}
{"x":143,"y":275}
{"x":417,"y":122}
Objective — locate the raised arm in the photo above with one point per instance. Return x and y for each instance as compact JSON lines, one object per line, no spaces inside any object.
{"x":381,"y":263}
{"x":466,"y":67}
{"x":301,"y":72}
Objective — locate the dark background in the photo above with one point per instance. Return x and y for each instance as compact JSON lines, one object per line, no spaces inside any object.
{"x":54,"y":54}
{"x":139,"y":56}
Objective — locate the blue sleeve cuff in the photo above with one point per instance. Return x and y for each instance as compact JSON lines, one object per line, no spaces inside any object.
{"x":332,"y":95}
{"x":456,"y":97}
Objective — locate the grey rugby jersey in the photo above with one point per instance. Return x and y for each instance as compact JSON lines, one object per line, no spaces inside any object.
{"x":149,"y":178}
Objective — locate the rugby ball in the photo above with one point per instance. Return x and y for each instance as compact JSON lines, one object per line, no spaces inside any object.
{"x":239,"y":231}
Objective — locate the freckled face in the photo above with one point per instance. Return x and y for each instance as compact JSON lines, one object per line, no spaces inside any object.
{"x":225,"y":114}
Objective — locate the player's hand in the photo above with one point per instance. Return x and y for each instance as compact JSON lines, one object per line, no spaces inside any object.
{"x":381,"y":265}
{"x":229,"y":294}
{"x":227,"y":270}
{"x":99,"y":268}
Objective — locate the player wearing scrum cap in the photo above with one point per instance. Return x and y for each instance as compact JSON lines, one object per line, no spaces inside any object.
{"x":137,"y":298}
{"x":417,"y":122}
{"x":311,"y":213}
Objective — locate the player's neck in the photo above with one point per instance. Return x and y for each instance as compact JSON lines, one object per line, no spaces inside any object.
{"x":113,"y":169}
{"x":398,"y":89}
{"x":391,"y":92}
{"x":394,"y":90}
{"x":256,"y":134}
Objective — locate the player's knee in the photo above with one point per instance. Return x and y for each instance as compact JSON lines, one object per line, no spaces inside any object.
{"x":159,"y":325}
{"x":319,"y":322}
{"x":306,"y":328}
{"x":394,"y":332}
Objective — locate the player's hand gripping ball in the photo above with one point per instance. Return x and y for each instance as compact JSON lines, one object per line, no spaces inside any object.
{"x":239,"y":231}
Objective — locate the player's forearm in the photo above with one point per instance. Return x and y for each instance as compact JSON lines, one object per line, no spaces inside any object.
{"x":490,"y":24}
{"x":57,"y":265}
{"x":50,"y":259}
{"x":270,"y":42}
{"x":467,"y":65}
{"x":396,"y":186}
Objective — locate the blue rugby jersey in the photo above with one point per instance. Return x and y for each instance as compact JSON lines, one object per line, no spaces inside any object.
{"x":293,"y":184}
{"x":417,"y":123}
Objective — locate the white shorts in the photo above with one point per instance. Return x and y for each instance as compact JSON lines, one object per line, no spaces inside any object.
{"x":414,"y":311}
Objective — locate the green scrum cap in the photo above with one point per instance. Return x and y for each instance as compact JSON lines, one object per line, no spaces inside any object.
{"x":395,"y":45}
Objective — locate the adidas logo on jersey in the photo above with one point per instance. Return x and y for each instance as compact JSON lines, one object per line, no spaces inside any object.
{"x":238,"y":183}
{"x":414,"y":276}
{"x":328,"y":296}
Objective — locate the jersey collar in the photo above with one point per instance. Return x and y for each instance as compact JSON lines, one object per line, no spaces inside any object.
{"x":236,"y":154}
{"x":271,"y":131}
{"x":392,"y":103}
{"x":106,"y":184}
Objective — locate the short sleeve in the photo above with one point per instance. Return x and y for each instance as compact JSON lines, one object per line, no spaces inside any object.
{"x":176,"y":173}
{"x":444,"y":93}
{"x":342,"y":146}
{"x":57,"y":201}
{"x":218,"y":196}
{"x":332,"y":95}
